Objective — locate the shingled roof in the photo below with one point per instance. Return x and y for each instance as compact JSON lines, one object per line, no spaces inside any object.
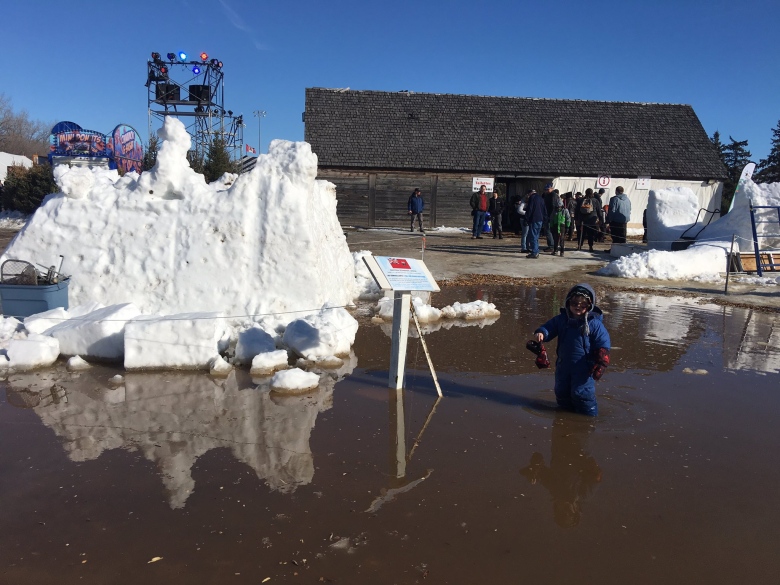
{"x":469,"y":133}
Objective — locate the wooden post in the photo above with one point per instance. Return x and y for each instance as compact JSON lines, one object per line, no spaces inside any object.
{"x":401,"y":303}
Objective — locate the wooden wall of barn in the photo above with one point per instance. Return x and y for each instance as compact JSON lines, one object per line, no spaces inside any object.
{"x":379,"y":199}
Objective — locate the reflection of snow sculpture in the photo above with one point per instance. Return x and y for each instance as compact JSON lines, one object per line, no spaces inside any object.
{"x":175,"y":418}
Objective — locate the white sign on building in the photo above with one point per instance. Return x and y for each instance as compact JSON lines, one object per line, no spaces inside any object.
{"x":477,"y":182}
{"x":603,"y":181}
{"x":642,"y":183}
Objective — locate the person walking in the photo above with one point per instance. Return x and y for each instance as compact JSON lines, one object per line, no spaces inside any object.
{"x":618,"y":215}
{"x":577,"y":218}
{"x":589,"y":211}
{"x":536,"y":216}
{"x":416,"y":206}
{"x":559,"y":223}
{"x":479,"y":206}
{"x":496,"y":210}
{"x":570,"y":203}
{"x":525,"y":247}
{"x":602,"y":229}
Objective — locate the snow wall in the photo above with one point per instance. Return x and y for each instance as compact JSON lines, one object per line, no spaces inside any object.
{"x":166,"y":241}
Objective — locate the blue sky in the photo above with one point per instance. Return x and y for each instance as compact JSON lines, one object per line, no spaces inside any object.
{"x":86,"y":62}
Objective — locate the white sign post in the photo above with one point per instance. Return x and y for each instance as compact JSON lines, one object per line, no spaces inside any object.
{"x":401,"y":275}
{"x":642,"y":183}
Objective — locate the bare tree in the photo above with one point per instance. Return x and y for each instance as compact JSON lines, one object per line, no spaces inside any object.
{"x":19,"y":134}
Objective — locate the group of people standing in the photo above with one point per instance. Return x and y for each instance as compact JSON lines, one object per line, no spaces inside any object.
{"x":557,"y":217}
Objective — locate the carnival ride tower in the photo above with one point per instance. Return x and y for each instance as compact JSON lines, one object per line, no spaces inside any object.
{"x":194,"y":92}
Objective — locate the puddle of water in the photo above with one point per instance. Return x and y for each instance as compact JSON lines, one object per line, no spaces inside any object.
{"x":358,"y":483}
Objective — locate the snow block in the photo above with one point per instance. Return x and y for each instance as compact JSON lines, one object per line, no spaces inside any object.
{"x":251,"y":342}
{"x":266,"y":363}
{"x":99,"y":334}
{"x":294,"y":381}
{"x":35,"y":351}
{"x":183,"y":341}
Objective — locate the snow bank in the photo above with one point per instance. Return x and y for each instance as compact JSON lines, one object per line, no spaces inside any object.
{"x":329,"y":332}
{"x":428,"y":314}
{"x":703,"y":263}
{"x":183,"y":341}
{"x":169,"y":243}
{"x":27,"y":353}
{"x":251,"y":342}
{"x":12,"y":220}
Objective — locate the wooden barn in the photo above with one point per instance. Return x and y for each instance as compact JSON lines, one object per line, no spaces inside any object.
{"x":377,"y":146}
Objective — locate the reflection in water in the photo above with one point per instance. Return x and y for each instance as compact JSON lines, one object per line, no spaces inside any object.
{"x":174,"y":418}
{"x":572,"y":473}
{"x":751,"y":340}
{"x":442,"y":324}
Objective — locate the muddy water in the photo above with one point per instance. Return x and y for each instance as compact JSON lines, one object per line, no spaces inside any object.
{"x":674,"y":482}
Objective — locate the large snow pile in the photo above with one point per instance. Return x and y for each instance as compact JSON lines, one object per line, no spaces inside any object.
{"x":703,"y":263}
{"x":166,"y":241}
{"x":669,"y":213}
{"x":672,"y":211}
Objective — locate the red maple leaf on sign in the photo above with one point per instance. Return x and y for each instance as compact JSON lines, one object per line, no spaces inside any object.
{"x":400,"y":263}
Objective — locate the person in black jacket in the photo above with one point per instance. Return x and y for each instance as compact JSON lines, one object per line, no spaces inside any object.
{"x":591,"y":215}
{"x":496,"y":209}
{"x":415,"y":207}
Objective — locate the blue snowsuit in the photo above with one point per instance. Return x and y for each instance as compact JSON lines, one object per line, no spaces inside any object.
{"x":574,"y":388}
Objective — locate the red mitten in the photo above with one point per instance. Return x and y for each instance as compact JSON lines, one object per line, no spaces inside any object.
{"x":542,"y":361}
{"x":601,"y":363}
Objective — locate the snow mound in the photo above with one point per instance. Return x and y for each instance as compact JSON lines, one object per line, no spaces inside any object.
{"x":170,"y":243}
{"x":703,"y":263}
{"x":428,"y":314}
{"x":329,"y":332}
{"x":219,"y":368}
{"x":294,"y":381}
{"x":12,"y":220}
{"x":77,"y":364}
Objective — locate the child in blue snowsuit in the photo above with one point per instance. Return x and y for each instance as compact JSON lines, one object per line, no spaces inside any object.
{"x":583,"y":350}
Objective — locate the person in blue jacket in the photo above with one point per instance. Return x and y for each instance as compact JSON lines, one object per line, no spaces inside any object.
{"x":583,"y":350}
{"x":416,"y":206}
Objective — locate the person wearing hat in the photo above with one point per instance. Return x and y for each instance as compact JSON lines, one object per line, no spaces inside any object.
{"x":415,"y":207}
{"x":560,"y":220}
{"x":583,"y":349}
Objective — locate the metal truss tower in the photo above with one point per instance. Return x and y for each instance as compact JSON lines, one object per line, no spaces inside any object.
{"x":194,"y":92}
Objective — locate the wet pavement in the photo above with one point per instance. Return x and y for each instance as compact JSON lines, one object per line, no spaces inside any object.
{"x":228,"y":482}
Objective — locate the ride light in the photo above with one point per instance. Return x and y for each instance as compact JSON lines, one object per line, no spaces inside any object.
{"x":204,"y":57}
{"x":182,"y":56}
{"x":171,"y":56}
{"x":196,"y":70}
{"x":155,"y":56}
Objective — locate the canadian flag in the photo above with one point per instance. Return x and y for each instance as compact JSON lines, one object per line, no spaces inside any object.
{"x":250,"y":149}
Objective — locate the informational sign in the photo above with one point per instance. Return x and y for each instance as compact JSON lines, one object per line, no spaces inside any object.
{"x":122,"y":149}
{"x":603,"y":181}
{"x":400,"y":274}
{"x":642,"y":183}
{"x":487,"y":182}
{"x":127,"y":148}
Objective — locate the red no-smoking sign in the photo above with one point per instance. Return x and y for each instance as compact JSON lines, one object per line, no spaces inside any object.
{"x":604,"y":181}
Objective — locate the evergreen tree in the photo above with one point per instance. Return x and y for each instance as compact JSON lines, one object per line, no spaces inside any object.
{"x":217,"y":161}
{"x":715,"y":139}
{"x":150,"y":156}
{"x":25,"y":187}
{"x":769,"y":167}
{"x":735,"y":157}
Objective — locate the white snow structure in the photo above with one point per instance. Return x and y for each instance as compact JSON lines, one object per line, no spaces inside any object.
{"x":170,"y":243}
{"x":672,"y":212}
